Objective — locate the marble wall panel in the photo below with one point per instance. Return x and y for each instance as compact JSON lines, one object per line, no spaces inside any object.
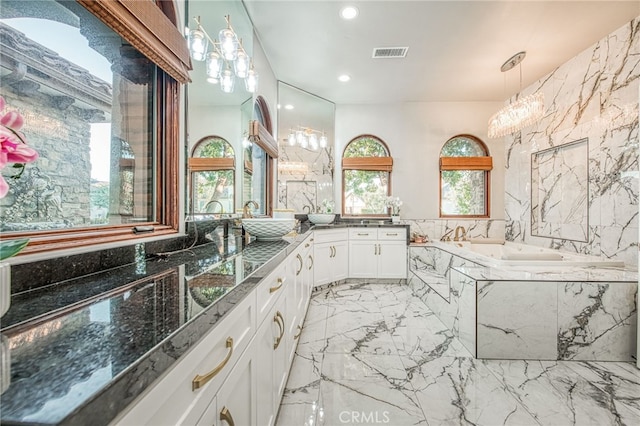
{"x":516,"y":320}
{"x":594,"y":96}
{"x":464,"y":325}
{"x":597,"y":321}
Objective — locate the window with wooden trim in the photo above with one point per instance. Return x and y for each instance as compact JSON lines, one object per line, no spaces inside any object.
{"x":259,"y":159}
{"x":98,"y":85}
{"x":366,"y":177}
{"x":212,"y":169}
{"x":465,"y":165}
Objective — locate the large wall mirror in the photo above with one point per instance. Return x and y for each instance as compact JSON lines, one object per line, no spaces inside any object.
{"x":306,"y":144}
{"x":560,"y":192}
{"x":214,"y":115}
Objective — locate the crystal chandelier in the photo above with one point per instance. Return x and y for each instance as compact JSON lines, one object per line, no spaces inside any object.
{"x":307,"y":137}
{"x":224,"y":55}
{"x":519,"y":114}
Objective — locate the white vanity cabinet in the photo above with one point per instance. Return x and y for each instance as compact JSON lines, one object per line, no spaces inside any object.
{"x":182,"y":395}
{"x":377,"y":253}
{"x":331,"y":255}
{"x":237,"y":372}
{"x":235,"y":403}
{"x":271,"y":360}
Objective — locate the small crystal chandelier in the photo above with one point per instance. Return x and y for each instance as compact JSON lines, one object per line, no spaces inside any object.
{"x":307,"y":138}
{"x":520,"y":114}
{"x":225,"y":55}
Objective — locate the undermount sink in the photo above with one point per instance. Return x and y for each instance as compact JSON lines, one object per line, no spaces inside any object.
{"x":267,"y":228}
{"x":321,"y":218}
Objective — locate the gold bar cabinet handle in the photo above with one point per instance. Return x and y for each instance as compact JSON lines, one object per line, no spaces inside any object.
{"x":225,"y":415}
{"x":277,"y":319}
{"x":278,"y":287}
{"x":298,"y":333}
{"x":199,"y":381}
{"x":311,"y":265}
{"x":301,"y":263}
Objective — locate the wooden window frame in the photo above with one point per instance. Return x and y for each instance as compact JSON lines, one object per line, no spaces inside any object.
{"x":262,"y":135}
{"x":484,"y":163}
{"x":372,"y":164}
{"x":163,"y":44}
{"x":209,"y":164}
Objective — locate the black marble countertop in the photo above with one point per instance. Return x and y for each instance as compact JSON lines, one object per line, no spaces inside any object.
{"x":84,"y":349}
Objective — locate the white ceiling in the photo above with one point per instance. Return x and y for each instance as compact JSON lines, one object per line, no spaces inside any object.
{"x":455,"y":52}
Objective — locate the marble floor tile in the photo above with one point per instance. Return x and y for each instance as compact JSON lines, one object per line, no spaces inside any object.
{"x":368,"y":389}
{"x":555,"y":395}
{"x":461,"y":391}
{"x":619,"y":380}
{"x":372,"y":354}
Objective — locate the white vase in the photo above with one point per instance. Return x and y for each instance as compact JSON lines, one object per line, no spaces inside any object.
{"x":5,"y":287}
{"x":395,"y":219}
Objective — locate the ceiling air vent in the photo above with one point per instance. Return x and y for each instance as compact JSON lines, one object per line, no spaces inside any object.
{"x":390,"y":52}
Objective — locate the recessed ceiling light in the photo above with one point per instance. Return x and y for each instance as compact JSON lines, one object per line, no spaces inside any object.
{"x":288,"y":106}
{"x":344,"y":78}
{"x":349,"y":12}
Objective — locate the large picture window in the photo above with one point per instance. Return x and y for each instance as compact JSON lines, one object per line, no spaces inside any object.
{"x":100,"y":113}
{"x":366,"y":177}
{"x":464,"y":177}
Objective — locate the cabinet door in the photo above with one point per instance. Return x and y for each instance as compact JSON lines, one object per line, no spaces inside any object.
{"x":235,"y":403}
{"x":267,"y":400}
{"x":295,"y":293}
{"x":363,"y":259}
{"x":323,"y":258}
{"x":340,"y":264}
{"x":280,"y":356}
{"x":392,"y":260}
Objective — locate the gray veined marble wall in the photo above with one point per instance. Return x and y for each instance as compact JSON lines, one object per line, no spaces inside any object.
{"x":593,"y":96}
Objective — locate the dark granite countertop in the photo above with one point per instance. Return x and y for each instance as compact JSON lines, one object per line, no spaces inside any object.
{"x":84,"y":349}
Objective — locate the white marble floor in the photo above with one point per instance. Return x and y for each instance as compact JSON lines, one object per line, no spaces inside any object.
{"x":373,"y":354}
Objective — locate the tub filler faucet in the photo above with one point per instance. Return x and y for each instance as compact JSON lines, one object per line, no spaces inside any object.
{"x":460,"y":236}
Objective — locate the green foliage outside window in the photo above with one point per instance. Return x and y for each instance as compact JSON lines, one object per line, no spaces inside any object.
{"x":365,"y":191}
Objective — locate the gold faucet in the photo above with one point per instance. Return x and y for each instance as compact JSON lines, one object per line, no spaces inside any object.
{"x":246,"y":212}
{"x":213,"y":202}
{"x":457,"y":236}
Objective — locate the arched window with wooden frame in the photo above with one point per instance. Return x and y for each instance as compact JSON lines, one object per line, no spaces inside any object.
{"x":465,"y":167}
{"x":366,"y":177}
{"x":212,"y":169}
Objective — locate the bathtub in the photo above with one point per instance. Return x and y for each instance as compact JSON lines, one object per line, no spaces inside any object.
{"x":515,"y":254}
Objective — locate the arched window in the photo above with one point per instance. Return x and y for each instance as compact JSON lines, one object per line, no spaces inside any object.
{"x":464,"y":177}
{"x":212,"y":176}
{"x":259,"y":159}
{"x":366,"y":176}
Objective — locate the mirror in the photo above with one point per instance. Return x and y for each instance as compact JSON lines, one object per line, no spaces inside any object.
{"x":560,"y":192}
{"x":306,"y":144}
{"x":211,"y":113}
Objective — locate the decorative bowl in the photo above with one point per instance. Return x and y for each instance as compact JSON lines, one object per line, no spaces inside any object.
{"x":267,"y":228}
{"x":321,"y":218}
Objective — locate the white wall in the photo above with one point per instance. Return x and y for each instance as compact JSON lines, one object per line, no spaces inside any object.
{"x":415,"y":133}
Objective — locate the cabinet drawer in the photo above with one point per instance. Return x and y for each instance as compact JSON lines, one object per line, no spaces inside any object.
{"x":363,"y":234}
{"x":270,"y":289}
{"x":326,"y":236}
{"x":185,"y":391}
{"x":396,"y":234}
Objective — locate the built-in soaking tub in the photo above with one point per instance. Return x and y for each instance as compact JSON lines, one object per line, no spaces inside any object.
{"x":513,"y":301}
{"x":515,"y":254}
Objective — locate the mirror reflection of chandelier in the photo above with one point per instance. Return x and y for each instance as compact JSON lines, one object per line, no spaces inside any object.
{"x":306,"y":137}
{"x":224,"y":55}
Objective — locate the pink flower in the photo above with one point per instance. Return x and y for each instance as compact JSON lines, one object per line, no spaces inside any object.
{"x":13,"y":146}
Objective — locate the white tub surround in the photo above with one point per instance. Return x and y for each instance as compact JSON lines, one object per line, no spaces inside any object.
{"x":514,"y":312}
